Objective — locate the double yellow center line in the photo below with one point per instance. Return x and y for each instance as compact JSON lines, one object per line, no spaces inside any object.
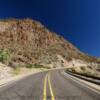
{"x":50,"y":87}
{"x":44,"y":93}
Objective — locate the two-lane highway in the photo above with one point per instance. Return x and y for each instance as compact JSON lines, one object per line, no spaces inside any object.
{"x":50,"y":85}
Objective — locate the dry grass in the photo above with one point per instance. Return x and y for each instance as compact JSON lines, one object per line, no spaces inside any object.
{"x":87,"y":71}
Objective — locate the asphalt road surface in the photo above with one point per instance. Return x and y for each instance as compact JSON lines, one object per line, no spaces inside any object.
{"x":51,"y":85}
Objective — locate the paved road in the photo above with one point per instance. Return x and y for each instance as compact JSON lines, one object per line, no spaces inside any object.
{"x":51,"y":85}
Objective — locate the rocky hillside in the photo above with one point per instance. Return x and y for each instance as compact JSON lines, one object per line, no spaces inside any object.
{"x":29,"y":42}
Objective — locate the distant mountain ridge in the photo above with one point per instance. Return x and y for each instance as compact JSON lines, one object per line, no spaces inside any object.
{"x":29,"y":42}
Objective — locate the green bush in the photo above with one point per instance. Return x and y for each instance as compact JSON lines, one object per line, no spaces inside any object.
{"x":29,"y":66}
{"x":38,"y":66}
{"x":4,"y":56}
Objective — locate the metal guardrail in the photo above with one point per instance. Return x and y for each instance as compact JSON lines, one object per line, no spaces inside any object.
{"x":92,"y":80}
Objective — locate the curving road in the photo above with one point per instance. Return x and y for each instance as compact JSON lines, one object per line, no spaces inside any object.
{"x":50,"y":85}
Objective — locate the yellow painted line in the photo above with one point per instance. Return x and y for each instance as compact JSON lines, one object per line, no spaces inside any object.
{"x":44,"y":93}
{"x":51,"y":91}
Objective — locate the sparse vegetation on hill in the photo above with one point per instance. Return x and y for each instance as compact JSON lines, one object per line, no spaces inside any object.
{"x":30,"y":42}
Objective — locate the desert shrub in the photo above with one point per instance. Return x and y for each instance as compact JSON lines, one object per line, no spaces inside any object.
{"x":88,"y":73}
{"x":82,"y":68}
{"x":4,"y":56}
{"x":17,"y":70}
{"x":29,"y":66}
{"x":38,"y":66}
{"x":89,"y":67}
{"x":71,"y":69}
{"x":68,"y":69}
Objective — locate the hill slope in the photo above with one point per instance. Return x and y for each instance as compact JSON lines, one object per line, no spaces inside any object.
{"x":28,"y":41}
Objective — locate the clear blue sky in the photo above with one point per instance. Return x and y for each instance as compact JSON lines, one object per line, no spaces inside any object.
{"x":77,"y":20}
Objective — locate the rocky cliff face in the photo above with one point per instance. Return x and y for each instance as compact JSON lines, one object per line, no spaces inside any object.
{"x":29,"y":41}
